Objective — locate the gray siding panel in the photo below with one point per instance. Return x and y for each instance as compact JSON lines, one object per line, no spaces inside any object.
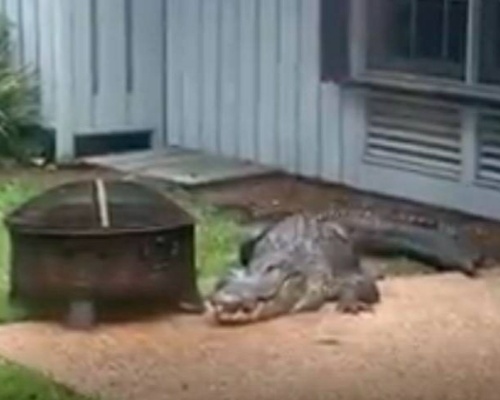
{"x":309,"y":89}
{"x":111,"y":99}
{"x":331,"y":143}
{"x":29,"y":18}
{"x":228,"y":82}
{"x":268,"y":28}
{"x":13,"y":10}
{"x":244,"y":81}
{"x":174,"y":72}
{"x":288,"y":84}
{"x":145,"y":108}
{"x":233,"y":77}
{"x":248,"y":75}
{"x":241,"y":78}
{"x":210,"y":14}
{"x":47,"y":60}
{"x":191,"y":87}
{"x":84,"y":107}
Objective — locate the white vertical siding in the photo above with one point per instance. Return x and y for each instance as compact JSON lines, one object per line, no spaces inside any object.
{"x":83,"y":56}
{"x":111,"y":64}
{"x":145,"y":106}
{"x":119,"y":47}
{"x":191,"y":11}
{"x":267,"y":65}
{"x":231,"y":77}
{"x":309,"y":106}
{"x":116,"y":59}
{"x":229,"y":82}
{"x":243,"y":80}
{"x":174,"y":43}
{"x":248,"y":75}
{"x":210,"y":73}
{"x":288,"y":84}
{"x":234,"y":77}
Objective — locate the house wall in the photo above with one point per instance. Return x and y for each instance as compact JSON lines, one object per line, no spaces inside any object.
{"x":463,"y":175}
{"x":243,"y":81}
{"x":238,"y":78}
{"x":233,"y":77}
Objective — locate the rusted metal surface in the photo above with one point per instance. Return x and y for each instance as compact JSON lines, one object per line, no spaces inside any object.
{"x":103,"y":241}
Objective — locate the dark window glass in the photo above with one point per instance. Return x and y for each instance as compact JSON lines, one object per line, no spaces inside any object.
{"x":334,"y":40}
{"x":489,"y":70}
{"x":425,"y":37}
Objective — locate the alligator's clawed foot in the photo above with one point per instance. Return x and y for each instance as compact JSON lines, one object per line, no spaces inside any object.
{"x":472,"y":273}
{"x":354,"y":307}
{"x":473,"y":269}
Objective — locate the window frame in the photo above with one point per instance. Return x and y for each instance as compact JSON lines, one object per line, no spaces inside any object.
{"x":486,"y":70}
{"x":381,"y":57}
{"x":467,"y":88}
{"x":358,"y":54}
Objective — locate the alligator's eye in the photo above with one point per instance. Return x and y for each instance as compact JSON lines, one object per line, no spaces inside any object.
{"x":220,"y":284}
{"x":270,"y":268}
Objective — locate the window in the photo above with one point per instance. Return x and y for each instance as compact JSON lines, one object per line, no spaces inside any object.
{"x":489,"y":71}
{"x":427,"y":38}
{"x":421,"y":36}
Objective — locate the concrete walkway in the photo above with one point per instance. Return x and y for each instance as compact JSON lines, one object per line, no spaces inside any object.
{"x":181,"y":166}
{"x":433,"y":337}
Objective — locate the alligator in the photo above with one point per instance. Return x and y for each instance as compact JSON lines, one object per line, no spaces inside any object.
{"x":301,"y":262}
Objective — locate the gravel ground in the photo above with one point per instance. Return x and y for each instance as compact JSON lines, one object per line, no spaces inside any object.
{"x":433,"y":337}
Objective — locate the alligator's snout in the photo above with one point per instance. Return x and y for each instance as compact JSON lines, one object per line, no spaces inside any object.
{"x":230,"y":308}
{"x":228,"y":301}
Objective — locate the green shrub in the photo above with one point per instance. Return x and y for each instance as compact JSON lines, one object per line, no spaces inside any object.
{"x":12,"y":194}
{"x":19,"y":101}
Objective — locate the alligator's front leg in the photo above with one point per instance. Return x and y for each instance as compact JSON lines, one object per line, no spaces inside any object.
{"x":316,"y":295}
{"x":357,"y":293}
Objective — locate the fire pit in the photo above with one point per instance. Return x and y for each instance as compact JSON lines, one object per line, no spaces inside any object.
{"x":89,"y":243}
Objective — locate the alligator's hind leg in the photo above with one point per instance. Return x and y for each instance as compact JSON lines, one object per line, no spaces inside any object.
{"x":357,"y":293}
{"x":373,"y":271}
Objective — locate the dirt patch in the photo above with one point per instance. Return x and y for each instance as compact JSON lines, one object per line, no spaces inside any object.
{"x":50,"y":177}
{"x":275,"y":196}
{"x":278,"y":195}
{"x":431,"y":338}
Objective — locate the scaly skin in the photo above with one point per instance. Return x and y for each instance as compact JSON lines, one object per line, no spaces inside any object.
{"x":304,"y":261}
{"x":297,"y":266}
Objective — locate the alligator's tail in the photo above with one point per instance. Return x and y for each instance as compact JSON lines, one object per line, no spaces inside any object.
{"x":442,"y":250}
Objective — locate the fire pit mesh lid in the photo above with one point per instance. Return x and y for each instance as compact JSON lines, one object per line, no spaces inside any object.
{"x":99,"y":206}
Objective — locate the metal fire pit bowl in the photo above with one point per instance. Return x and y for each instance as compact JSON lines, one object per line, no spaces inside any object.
{"x":99,"y":242}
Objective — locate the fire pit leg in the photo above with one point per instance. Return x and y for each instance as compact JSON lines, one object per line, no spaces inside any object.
{"x":193,"y":305}
{"x":81,"y":314}
{"x":191,"y":300}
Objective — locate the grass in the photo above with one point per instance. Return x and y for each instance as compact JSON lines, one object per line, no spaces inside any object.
{"x":17,"y":382}
{"x":217,"y":237}
{"x":11,"y":195}
{"x":216,"y":241}
{"x":218,"y":234}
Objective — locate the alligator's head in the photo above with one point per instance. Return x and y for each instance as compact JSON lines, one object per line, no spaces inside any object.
{"x":270,"y":286}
